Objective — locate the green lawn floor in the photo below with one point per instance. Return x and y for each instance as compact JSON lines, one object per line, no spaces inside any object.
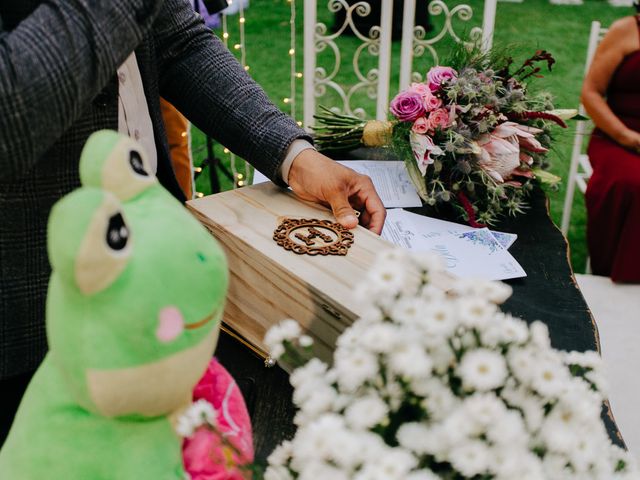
{"x":561,"y":29}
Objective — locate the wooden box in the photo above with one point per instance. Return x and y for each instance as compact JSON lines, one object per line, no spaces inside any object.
{"x":268,"y":283}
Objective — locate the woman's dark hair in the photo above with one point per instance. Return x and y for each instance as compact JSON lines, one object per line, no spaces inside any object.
{"x":636,"y":5}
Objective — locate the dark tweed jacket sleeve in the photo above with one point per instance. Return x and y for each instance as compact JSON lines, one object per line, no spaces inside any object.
{"x":205,"y":82}
{"x":53,"y":63}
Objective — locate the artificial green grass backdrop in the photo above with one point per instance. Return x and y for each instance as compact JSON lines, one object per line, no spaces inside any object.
{"x":561,"y":29}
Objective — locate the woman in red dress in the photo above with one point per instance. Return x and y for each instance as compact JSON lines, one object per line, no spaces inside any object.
{"x":613,"y":193}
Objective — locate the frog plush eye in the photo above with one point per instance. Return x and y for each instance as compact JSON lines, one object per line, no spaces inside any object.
{"x":90,"y":243}
{"x":115,"y":163}
{"x":117,"y":233}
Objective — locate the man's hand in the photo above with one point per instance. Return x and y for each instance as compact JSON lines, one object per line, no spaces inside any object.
{"x":317,"y":178}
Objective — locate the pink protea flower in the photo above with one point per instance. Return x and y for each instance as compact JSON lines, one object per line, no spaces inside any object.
{"x":500,"y":151}
{"x":407,"y":106}
{"x":437,"y":75}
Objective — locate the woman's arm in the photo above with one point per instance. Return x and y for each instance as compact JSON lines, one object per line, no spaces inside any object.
{"x":54,"y":63}
{"x":620,"y":41}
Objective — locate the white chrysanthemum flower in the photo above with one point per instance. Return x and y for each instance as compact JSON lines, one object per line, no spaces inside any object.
{"x":475,"y":312}
{"x":422,"y":475}
{"x":495,"y":292}
{"x":522,"y":362}
{"x":277,"y":473}
{"x":409,"y":310}
{"x":313,"y":441}
{"x":392,"y":464}
{"x":410,"y":361}
{"x":470,"y":458}
{"x":540,"y":335}
{"x":366,"y":412}
{"x":438,"y":399}
{"x":549,"y":378}
{"x":317,"y":469}
{"x":380,"y":338}
{"x":313,"y":369}
{"x":439,"y":319}
{"x":320,"y":401}
{"x":505,"y":330}
{"x":412,"y":437}
{"x":199,"y":413}
{"x":287,"y":330}
{"x":588,"y":359}
{"x":431,"y":293}
{"x":354,"y":368}
{"x":482,"y":370}
{"x":281,"y":454}
{"x":509,"y":429}
{"x":484,"y":408}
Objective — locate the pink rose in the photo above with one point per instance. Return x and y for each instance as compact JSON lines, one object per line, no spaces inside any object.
{"x":437,"y":75}
{"x":431,"y":102}
{"x":421,"y":125}
{"x":439,"y":118}
{"x":407,"y":106}
{"x":420,"y":88}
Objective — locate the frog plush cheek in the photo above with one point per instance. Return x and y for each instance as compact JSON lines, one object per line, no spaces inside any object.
{"x":117,"y":164}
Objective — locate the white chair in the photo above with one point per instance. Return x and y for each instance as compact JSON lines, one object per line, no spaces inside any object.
{"x":580,"y":169}
{"x":377,"y":42}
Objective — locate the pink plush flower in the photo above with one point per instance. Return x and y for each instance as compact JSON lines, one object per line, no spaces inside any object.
{"x":423,"y":147}
{"x":437,"y":75}
{"x":407,"y":106}
{"x":421,"y":125}
{"x":439,"y":118}
{"x":220,"y":454}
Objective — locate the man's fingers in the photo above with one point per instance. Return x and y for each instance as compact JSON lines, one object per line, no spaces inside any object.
{"x":343,"y":211}
{"x":376,"y":213}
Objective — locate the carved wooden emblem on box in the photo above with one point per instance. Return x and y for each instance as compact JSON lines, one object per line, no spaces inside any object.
{"x":313,"y":237}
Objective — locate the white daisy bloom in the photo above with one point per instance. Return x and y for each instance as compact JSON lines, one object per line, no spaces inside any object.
{"x":470,"y":458}
{"x":277,"y":473}
{"x":540,"y":335}
{"x":475,"y":312}
{"x":482,"y":370}
{"x":410,"y":361}
{"x":366,"y":412}
{"x":354,"y":368}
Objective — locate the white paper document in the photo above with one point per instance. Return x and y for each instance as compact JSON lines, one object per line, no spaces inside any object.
{"x":466,"y":252}
{"x":390,"y":178}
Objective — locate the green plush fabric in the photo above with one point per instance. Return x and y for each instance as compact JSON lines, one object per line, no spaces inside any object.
{"x":133,"y":311}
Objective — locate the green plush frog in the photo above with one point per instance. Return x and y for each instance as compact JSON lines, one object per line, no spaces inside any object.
{"x":133,"y":309}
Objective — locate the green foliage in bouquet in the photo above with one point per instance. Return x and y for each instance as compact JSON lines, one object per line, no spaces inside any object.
{"x":474,"y":134}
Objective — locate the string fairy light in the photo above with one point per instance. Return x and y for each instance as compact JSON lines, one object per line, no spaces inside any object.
{"x":291,"y":100}
{"x":239,"y":179}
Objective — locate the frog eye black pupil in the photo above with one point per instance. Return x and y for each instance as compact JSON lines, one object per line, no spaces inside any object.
{"x":117,"y":232}
{"x":135,"y":160}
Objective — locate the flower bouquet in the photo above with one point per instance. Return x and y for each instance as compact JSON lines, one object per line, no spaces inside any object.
{"x":431,"y":384}
{"x":472,"y":135}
